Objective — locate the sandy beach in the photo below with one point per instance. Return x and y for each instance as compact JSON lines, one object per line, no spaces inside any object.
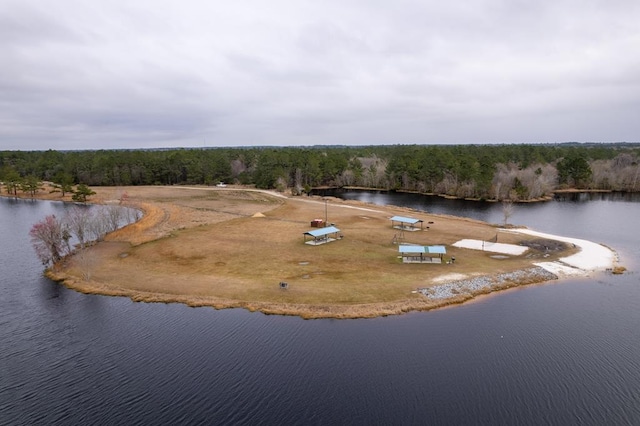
{"x":590,"y":257}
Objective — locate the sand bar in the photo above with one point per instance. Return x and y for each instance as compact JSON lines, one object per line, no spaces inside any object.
{"x":591,"y":257}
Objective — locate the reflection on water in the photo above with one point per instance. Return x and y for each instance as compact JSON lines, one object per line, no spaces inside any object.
{"x":561,"y":353}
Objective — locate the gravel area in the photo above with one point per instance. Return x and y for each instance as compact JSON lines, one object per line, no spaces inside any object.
{"x":476,"y":285}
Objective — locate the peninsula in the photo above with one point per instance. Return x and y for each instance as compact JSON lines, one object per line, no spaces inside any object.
{"x":228,"y":247}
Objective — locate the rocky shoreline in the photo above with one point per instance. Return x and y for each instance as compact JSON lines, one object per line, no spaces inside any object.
{"x":486,"y":283}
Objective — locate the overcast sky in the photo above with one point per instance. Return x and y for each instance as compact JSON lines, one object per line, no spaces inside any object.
{"x":155,"y":73}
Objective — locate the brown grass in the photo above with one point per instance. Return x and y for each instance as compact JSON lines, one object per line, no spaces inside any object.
{"x":203,"y":247}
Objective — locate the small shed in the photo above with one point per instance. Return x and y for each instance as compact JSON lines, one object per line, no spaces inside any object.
{"x":318,"y":223}
{"x":422,"y":254}
{"x":322,"y":235}
{"x":406,"y":223}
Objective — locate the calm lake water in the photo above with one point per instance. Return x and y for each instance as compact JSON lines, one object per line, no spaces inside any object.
{"x":560,"y":353}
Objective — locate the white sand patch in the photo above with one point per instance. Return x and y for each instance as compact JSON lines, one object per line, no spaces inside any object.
{"x":449,"y":277}
{"x":492,"y":247}
{"x":561,"y":270}
{"x":592,"y":256}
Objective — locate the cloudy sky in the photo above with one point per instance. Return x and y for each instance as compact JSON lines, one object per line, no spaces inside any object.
{"x":158,"y":73}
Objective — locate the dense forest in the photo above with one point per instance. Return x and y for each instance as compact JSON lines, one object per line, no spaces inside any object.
{"x":500,"y":172}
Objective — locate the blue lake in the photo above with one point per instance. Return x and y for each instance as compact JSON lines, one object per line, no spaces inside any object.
{"x":560,"y":353}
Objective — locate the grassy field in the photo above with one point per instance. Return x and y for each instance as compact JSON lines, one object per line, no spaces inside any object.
{"x":232,"y":247}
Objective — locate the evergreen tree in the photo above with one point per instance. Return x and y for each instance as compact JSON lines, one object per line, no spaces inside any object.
{"x":574,"y":170}
{"x":12,"y":181}
{"x":81,"y":193}
{"x":63,"y":182}
{"x":31,"y":185}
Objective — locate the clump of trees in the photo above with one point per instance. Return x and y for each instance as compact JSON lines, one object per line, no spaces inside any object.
{"x":620,"y":174}
{"x":52,"y":237}
{"x":30,"y":184}
{"x":512,"y":182}
{"x":13,"y":182}
{"x":574,"y":171}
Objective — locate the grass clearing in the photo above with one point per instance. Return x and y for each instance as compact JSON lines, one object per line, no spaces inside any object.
{"x":205,"y":247}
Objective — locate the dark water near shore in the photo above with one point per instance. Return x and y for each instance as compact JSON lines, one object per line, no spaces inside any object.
{"x":561,"y":353}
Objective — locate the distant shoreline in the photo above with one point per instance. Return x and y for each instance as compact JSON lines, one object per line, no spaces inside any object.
{"x":452,"y":197}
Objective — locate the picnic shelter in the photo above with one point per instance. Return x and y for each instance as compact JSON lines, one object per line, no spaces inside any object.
{"x":406,"y":223}
{"x":422,"y":254}
{"x":322,"y":235}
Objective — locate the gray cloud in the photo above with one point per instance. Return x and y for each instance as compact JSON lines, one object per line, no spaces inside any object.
{"x":160,"y":73}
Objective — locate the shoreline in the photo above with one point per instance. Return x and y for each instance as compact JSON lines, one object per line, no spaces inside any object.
{"x":542,"y":199}
{"x":460,"y":288}
{"x":461,"y":291}
{"x":455,"y":291}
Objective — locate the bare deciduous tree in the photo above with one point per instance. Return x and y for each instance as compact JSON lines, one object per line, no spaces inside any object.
{"x":113,"y":216}
{"x":78,"y":219}
{"x":99,"y":223}
{"x":466,"y":189}
{"x":373,"y":172}
{"x":86,"y":261}
{"x":237,"y":166}
{"x":507,"y":207}
{"x":346,"y":178}
{"x":534,"y":181}
{"x":51,"y":237}
{"x":49,"y":240}
{"x":298,"y":182}
{"x":448,"y":185}
{"x":503,"y":180}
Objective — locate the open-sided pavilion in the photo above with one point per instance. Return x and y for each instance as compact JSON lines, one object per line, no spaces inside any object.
{"x":422,"y":254}
{"x":406,"y":223}
{"x":322,"y":235}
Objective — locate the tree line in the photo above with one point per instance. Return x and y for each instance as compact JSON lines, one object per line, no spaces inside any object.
{"x":499,"y":172}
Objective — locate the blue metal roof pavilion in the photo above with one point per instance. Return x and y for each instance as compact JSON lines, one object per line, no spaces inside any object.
{"x":410,"y":249}
{"x":420,"y":254}
{"x":406,"y":223}
{"x":321,"y":235}
{"x":405,"y":248}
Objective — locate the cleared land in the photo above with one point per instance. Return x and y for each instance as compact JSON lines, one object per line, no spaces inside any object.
{"x":231,"y":247}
